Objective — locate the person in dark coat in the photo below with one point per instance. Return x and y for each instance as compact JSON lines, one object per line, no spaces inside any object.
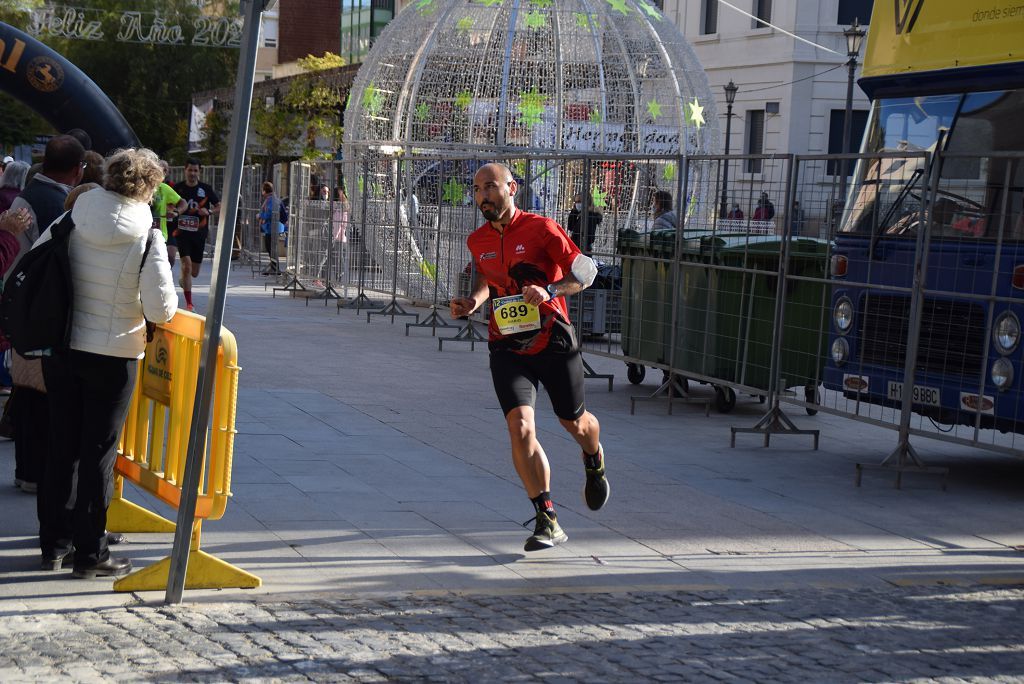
{"x":579,"y":231}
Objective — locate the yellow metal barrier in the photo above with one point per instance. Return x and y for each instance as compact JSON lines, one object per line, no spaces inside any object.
{"x":154,"y":443}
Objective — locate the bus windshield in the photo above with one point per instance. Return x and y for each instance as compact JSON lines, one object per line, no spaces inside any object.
{"x":887,"y":194}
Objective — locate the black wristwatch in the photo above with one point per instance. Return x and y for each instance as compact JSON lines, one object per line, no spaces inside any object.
{"x":552,"y":290}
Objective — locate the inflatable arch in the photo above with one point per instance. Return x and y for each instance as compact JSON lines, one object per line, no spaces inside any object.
{"x":59,"y":92}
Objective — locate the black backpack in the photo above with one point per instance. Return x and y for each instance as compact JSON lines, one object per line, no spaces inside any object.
{"x":283,"y":214}
{"x":37,"y":298}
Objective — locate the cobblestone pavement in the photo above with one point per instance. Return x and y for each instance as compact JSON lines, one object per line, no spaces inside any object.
{"x":902,"y":634}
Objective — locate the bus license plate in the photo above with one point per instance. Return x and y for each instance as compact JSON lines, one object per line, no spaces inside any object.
{"x":929,"y":396}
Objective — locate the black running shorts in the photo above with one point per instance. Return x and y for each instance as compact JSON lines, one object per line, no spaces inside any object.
{"x":192,"y":244}
{"x":516,"y":376}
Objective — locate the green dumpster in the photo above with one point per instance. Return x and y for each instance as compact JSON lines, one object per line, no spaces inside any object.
{"x":646,"y":296}
{"x":734,"y":341}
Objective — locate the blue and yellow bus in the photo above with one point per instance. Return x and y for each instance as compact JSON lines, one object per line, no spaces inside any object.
{"x":943,"y":148}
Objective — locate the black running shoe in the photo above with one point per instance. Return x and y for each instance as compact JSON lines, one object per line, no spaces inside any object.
{"x":546,"y":533}
{"x":596,"y":490}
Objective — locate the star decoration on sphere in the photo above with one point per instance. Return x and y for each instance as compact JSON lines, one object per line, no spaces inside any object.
{"x":595,"y":116}
{"x":599,"y":197}
{"x":654,"y":108}
{"x":535,"y":20}
{"x":465,"y":24}
{"x":373,"y":99}
{"x":696,"y":115}
{"x":669,"y":172}
{"x":649,"y":10}
{"x":453,"y":192}
{"x":531,"y":107}
{"x":422,"y":111}
{"x":617,"y":5}
{"x":463,"y":99}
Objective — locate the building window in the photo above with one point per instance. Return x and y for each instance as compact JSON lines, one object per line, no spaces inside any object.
{"x":270,"y":42}
{"x":361,"y":23}
{"x":709,"y":17}
{"x":755,"y":138}
{"x":854,"y":9}
{"x":763,"y":12}
{"x":835,"y":136}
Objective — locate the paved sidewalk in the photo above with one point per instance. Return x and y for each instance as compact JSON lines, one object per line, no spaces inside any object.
{"x":771,"y":636}
{"x":375,"y":496}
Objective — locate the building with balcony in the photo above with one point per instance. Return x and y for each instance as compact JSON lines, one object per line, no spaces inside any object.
{"x":791,"y":95}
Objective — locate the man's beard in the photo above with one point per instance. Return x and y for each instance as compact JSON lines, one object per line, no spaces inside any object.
{"x":491,"y":213}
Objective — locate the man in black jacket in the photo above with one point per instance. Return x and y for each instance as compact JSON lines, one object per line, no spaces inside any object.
{"x":45,"y":194}
{"x":583,"y":232}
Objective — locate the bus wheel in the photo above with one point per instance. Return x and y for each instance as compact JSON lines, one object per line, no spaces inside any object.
{"x":635,"y":373}
{"x":811,"y":396}
{"x":725,"y":399}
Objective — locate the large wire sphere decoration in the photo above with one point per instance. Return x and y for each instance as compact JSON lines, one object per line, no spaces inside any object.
{"x":539,"y":84}
{"x":496,"y":79}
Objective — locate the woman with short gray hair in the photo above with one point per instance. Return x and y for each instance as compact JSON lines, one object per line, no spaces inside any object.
{"x":12,"y":182}
{"x":121,"y":279}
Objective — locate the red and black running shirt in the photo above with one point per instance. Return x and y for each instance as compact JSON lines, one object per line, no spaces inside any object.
{"x":531,"y":250}
{"x":200,"y":196}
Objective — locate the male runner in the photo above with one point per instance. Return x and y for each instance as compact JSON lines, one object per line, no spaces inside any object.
{"x":525,"y":265}
{"x":191,"y":227}
{"x":166,"y":204}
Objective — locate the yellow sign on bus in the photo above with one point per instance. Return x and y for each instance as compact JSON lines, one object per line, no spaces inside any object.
{"x":908,"y":36}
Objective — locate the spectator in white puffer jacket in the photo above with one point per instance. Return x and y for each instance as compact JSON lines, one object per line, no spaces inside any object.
{"x":90,"y":386}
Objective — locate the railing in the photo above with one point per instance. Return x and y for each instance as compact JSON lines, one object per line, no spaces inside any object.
{"x":748,"y":305}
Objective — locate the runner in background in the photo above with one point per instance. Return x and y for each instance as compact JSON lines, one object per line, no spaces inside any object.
{"x":192,"y":226}
{"x":166,"y":204}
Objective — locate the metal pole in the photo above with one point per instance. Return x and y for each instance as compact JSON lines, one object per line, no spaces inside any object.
{"x":252,"y":10}
{"x":847,"y":126}
{"x":917,"y":301}
{"x":725,"y":162}
{"x":779,"y":320}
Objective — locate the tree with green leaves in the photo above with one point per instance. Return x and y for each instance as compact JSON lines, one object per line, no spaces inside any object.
{"x":277,"y":128}
{"x":316,"y":94}
{"x":19,"y":125}
{"x":152,"y":85}
{"x":216,"y":130}
{"x":17,"y":12}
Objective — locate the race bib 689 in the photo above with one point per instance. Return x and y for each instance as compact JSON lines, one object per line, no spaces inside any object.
{"x":514,"y":315}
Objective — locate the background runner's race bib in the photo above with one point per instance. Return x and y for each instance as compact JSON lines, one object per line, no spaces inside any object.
{"x":189,"y":223}
{"x":513,"y":315}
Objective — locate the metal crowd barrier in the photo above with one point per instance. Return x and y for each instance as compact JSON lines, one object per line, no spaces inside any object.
{"x":742,"y":295}
{"x":248,"y":244}
{"x":153,"y":445}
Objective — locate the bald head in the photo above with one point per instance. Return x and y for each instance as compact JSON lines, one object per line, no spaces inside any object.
{"x":494,"y":190}
{"x":493,"y":171}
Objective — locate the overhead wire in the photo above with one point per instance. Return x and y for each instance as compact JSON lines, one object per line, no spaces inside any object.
{"x":805,"y":78}
{"x":792,"y":35}
{"x":779,"y":28}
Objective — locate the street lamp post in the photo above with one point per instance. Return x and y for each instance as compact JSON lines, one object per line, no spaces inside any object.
{"x":854,"y":37}
{"x":730,"y":97}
